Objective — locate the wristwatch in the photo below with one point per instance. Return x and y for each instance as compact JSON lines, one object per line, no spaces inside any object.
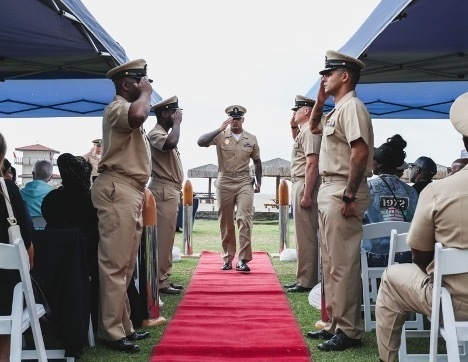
{"x":348,"y":199}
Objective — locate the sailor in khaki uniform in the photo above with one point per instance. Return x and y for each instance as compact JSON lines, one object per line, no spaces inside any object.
{"x":166,"y":184}
{"x":345,"y":160}
{"x":118,"y":195}
{"x":305,"y":185}
{"x":235,"y":187}
{"x":93,"y":157}
{"x":440,"y":216}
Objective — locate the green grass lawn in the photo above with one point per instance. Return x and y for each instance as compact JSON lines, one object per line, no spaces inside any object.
{"x":205,"y":236}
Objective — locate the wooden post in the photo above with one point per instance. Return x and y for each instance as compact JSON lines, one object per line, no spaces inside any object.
{"x":187,"y":223}
{"x":283,"y":202}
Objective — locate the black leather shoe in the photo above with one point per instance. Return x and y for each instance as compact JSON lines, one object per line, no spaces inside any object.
{"x":169,"y":290}
{"x":123,"y":345}
{"x":291,"y":285}
{"x":339,"y":342}
{"x":321,"y":334}
{"x":227,"y":266}
{"x":242,"y":266}
{"x":176,"y":286}
{"x":138,"y":336}
{"x":298,"y":289}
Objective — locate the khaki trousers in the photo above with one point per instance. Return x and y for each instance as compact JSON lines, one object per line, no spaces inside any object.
{"x":167,"y":206}
{"x":340,"y":251}
{"x":404,"y":288}
{"x":306,"y":228}
{"x":235,"y":193}
{"x":119,"y":208}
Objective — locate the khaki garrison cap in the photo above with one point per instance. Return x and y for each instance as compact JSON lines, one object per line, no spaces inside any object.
{"x":133,"y":69}
{"x":459,"y":114}
{"x":169,"y":103}
{"x":235,"y":111}
{"x":334,"y":60}
{"x":97,"y":142}
{"x":302,"y":101}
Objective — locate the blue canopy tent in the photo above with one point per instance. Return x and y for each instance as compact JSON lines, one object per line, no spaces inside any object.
{"x":415,"y":53}
{"x":53,"y":60}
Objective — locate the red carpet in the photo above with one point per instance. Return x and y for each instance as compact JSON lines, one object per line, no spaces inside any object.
{"x":232,"y":316}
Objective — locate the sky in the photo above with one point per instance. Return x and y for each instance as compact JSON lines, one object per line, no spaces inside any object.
{"x":212,"y":54}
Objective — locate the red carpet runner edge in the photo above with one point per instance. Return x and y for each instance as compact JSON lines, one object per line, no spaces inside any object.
{"x":232,"y":316}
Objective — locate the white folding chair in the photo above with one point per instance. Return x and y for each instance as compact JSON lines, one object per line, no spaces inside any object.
{"x":15,"y":257}
{"x":447,"y":261}
{"x":398,"y":245}
{"x":369,"y":275}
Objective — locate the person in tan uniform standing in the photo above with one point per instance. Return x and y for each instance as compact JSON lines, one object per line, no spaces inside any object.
{"x":93,"y":157}
{"x":118,"y":195}
{"x":346,"y":156}
{"x":166,"y":184}
{"x":440,"y":216}
{"x":235,"y":187}
{"x":305,"y":186}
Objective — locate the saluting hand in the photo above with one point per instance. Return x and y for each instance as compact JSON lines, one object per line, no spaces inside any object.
{"x":226,"y":123}
{"x":145,"y":85}
{"x":176,"y":117}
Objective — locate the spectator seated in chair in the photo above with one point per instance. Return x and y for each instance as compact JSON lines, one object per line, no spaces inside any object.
{"x":34,"y":191}
{"x":391,"y":199}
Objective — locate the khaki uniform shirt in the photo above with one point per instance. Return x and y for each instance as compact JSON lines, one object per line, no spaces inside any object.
{"x":94,"y":161}
{"x":305,"y":144}
{"x":233,"y":155}
{"x":166,"y":164}
{"x":347,"y":122}
{"x":441,"y":216}
{"x":124,"y":149}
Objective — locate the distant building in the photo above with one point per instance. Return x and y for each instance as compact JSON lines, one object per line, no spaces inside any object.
{"x":31,"y":154}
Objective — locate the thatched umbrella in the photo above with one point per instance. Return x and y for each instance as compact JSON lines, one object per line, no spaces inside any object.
{"x":278,"y":168}
{"x":208,"y":171}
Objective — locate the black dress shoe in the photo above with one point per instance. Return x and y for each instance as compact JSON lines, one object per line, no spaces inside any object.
{"x":291,"y":285}
{"x":176,"y":286}
{"x":339,"y":342}
{"x":298,"y":289}
{"x":321,"y":334}
{"x":123,"y":345}
{"x":169,"y":290}
{"x":242,"y":266}
{"x":138,"y":336}
{"x":227,"y":266}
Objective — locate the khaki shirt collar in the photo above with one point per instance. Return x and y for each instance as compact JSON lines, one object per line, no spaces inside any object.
{"x":345,"y":98}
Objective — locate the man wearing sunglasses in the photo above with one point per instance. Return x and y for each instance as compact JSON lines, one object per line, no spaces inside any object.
{"x":421,"y":172}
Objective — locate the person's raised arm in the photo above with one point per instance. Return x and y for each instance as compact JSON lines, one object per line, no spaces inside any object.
{"x":317,"y":111}
{"x":140,"y":108}
{"x":207,"y":138}
{"x":173,"y":137}
{"x":294,"y":126}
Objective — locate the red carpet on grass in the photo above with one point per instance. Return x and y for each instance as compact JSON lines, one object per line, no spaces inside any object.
{"x":233,"y":316}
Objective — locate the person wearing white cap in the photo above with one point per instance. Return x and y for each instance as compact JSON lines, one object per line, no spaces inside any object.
{"x":440,"y":217}
{"x":166,"y":184}
{"x":346,"y":156}
{"x":235,"y":187}
{"x":118,"y":195}
{"x":305,"y":185}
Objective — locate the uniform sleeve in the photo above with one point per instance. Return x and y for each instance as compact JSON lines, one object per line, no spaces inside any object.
{"x":356,"y":122}
{"x":117,"y":115}
{"x":311,"y":142}
{"x":255,"y":155}
{"x":157,"y":138}
{"x":421,"y":235}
